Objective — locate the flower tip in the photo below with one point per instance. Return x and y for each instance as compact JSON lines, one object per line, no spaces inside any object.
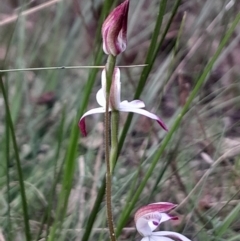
{"x":162,"y":124}
{"x":126,"y":5}
{"x":82,"y":127}
{"x":174,"y":217}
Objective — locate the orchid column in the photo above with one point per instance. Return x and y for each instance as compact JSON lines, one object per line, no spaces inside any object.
{"x":114,"y":34}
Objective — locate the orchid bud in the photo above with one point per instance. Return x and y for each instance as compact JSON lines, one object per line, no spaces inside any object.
{"x":114,"y":30}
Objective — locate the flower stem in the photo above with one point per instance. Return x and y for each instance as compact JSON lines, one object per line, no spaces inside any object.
{"x":109,"y":73}
{"x":114,"y":139}
{"x":111,"y":61}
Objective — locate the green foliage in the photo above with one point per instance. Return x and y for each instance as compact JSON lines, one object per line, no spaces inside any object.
{"x":52,"y":180}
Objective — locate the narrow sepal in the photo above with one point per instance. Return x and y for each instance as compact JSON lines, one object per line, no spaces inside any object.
{"x":81,"y":123}
{"x":145,"y":113}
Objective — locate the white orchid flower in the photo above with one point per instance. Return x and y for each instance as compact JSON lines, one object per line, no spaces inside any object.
{"x":115,"y":103}
{"x":149,"y":217}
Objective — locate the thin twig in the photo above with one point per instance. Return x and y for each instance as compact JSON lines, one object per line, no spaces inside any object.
{"x":99,"y":230}
{"x":69,"y":67}
{"x":28,"y":12}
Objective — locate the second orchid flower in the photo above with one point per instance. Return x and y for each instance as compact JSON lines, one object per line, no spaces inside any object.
{"x":149,"y":217}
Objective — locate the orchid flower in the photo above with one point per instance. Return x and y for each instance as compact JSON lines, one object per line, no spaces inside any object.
{"x":149,"y":217}
{"x":115,"y":104}
{"x":114,"y":30}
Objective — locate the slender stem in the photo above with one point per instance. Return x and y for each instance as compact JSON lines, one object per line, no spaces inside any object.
{"x":109,"y":73}
{"x":111,"y":61}
{"x":114,"y":139}
{"x":18,"y":163}
{"x":109,"y":206}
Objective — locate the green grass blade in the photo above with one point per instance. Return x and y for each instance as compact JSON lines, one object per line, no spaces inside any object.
{"x":66,"y":183}
{"x":94,"y":211}
{"x":223,"y":228}
{"x":47,"y":214}
{"x":152,"y":47}
{"x":71,"y":152}
{"x":18,"y":163}
{"x":7,"y":153}
{"x":236,"y":238}
{"x":151,"y":57}
{"x":129,"y":207}
{"x":7,"y":140}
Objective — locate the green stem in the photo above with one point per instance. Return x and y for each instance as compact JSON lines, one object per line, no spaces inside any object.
{"x":111,"y":62}
{"x":114,"y":139}
{"x":18,"y":163}
{"x":109,"y":206}
{"x":109,"y":73}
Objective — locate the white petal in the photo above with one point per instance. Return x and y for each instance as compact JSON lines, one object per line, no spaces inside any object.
{"x":104,"y":48}
{"x":143,"y":227}
{"x":135,"y":104}
{"x":146,"y":113}
{"x":93,"y":111}
{"x":165,"y":217}
{"x":121,"y":41}
{"x":104,"y":83}
{"x":115,"y":90}
{"x":146,"y":239}
{"x":101,"y":98}
{"x":171,"y":235}
{"x":160,"y":238}
{"x":156,"y":238}
{"x":81,"y":122}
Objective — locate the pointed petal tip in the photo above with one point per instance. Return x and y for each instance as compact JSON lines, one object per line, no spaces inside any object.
{"x":126,"y":3}
{"x":82,"y":127}
{"x":174,"y":217}
{"x":162,"y":124}
{"x":129,"y":107}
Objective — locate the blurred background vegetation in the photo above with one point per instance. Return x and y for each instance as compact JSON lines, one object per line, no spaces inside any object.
{"x":199,"y":168}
